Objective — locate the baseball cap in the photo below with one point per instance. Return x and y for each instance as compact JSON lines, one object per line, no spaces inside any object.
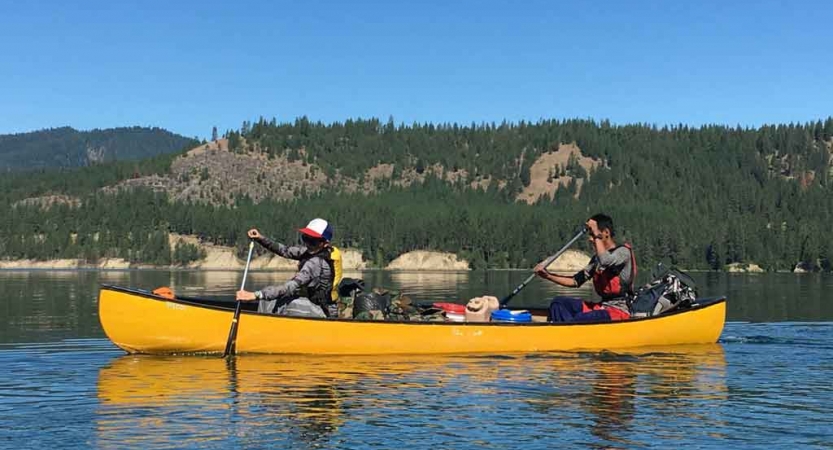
{"x":318,"y":228}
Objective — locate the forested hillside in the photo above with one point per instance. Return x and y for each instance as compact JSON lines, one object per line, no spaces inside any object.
{"x":67,"y":147}
{"x":696,"y":197}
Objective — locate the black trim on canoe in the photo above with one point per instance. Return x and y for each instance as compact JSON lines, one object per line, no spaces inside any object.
{"x":251,"y":308}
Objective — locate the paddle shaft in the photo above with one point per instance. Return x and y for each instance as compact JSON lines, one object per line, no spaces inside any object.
{"x":232,"y":333}
{"x":546,"y":263}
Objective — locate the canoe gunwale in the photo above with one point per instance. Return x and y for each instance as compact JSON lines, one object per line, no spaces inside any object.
{"x":703,"y":303}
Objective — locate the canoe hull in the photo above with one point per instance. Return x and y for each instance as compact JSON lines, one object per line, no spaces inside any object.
{"x":139,"y":322}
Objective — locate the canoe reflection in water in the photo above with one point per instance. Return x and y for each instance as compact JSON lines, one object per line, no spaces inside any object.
{"x":661,"y":386}
{"x":163,"y":400}
{"x":325,"y":401}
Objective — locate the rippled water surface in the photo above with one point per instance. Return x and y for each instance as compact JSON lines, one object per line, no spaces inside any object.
{"x":766,"y":384}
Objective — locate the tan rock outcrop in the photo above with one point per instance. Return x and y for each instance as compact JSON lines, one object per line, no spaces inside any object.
{"x":34,"y":264}
{"x":428,"y":260}
{"x":571,"y":261}
{"x":744,"y":268}
{"x":541,"y":183}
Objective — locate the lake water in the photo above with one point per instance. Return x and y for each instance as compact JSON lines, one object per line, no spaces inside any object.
{"x":766,"y":384}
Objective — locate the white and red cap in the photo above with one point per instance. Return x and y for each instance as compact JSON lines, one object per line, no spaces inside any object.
{"x":318,"y":228}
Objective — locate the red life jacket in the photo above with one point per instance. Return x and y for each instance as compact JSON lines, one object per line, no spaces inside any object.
{"x":607,"y":282}
{"x":615,"y":313}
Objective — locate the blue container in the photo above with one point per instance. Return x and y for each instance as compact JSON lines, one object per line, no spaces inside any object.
{"x":505,"y":315}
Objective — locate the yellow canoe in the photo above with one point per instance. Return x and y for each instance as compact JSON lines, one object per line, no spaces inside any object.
{"x":141,"y":322}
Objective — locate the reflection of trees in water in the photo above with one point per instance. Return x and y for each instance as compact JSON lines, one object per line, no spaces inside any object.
{"x":437,"y":280}
{"x":41,"y":305}
{"x":218,"y":283}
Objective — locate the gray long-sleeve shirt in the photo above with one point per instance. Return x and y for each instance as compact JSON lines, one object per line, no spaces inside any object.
{"x":619,"y":261}
{"x":313,"y":274}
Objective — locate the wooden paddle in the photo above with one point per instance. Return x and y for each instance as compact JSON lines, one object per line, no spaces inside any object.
{"x":547,"y":262}
{"x":231,"y":342}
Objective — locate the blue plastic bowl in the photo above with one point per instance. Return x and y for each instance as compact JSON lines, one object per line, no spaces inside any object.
{"x":505,"y":315}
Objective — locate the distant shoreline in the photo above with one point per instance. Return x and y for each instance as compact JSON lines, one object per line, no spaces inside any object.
{"x":222,"y":258}
{"x":150,"y":268}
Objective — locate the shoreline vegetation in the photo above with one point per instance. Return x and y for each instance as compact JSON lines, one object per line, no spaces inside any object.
{"x":218,"y":257}
{"x":223,"y":258}
{"x":440,"y":196}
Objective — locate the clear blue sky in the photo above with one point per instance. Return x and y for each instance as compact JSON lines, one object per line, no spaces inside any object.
{"x":187,"y":66}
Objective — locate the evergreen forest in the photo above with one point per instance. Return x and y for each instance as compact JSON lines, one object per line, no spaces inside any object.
{"x":695,"y":197}
{"x":67,"y":147}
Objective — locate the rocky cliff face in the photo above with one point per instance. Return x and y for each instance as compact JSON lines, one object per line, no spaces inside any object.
{"x":213,"y":174}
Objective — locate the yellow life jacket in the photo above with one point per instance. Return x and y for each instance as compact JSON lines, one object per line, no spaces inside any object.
{"x":335,"y":257}
{"x":326,"y":291}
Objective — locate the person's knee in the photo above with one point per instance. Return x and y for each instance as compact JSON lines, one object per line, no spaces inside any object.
{"x":266,"y":306}
{"x":302,"y":307}
{"x":562,"y":309}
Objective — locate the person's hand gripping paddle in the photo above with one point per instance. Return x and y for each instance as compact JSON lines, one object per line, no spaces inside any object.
{"x":231,"y":342}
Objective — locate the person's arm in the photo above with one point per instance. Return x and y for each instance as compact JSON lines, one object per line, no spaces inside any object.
{"x":617,"y":258}
{"x":290,"y":288}
{"x":291,"y":252}
{"x":560,"y":279}
{"x":286,"y":251}
{"x":574,"y":281}
{"x":599,"y":246}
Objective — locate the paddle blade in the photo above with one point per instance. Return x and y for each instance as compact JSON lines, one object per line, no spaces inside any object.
{"x":231,"y":342}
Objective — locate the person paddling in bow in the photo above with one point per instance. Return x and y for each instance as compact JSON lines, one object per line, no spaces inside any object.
{"x":612,"y":269}
{"x":309,"y":292}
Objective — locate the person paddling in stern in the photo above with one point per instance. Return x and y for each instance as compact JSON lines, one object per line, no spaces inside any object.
{"x":612,"y":269}
{"x":310,"y":290}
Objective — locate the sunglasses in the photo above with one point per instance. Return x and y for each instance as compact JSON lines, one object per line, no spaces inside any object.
{"x":309,"y":240}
